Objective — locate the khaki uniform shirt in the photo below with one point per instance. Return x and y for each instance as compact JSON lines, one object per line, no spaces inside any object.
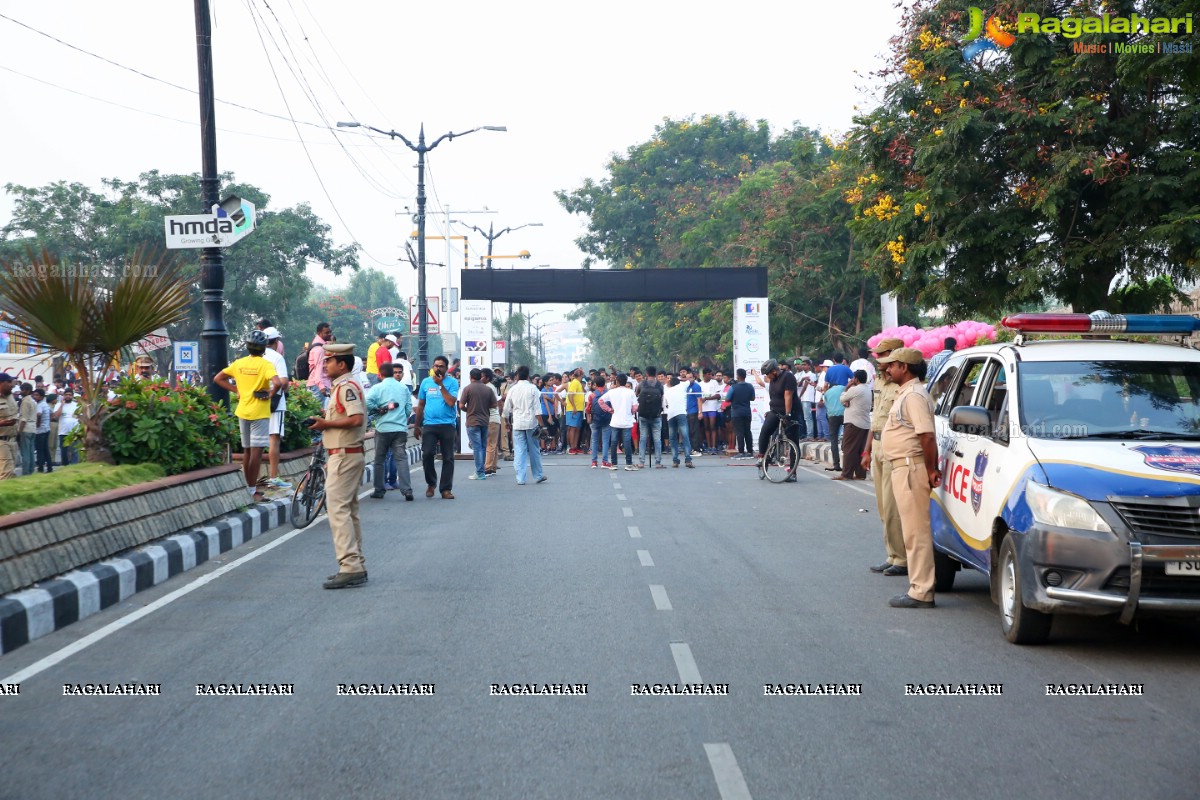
{"x":911,"y":415}
{"x":345,"y":400}
{"x":883,"y":396}
{"x":9,"y":410}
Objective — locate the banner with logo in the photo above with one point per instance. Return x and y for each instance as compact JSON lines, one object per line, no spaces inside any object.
{"x":751,"y":347}
{"x":475,"y":323}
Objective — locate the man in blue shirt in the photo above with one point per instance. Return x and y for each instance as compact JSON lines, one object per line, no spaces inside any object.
{"x":437,"y":419}
{"x":741,"y":395}
{"x":839,"y":374}
{"x":392,"y":400}
{"x":694,"y":393}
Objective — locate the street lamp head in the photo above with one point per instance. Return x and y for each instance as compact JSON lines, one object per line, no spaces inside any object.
{"x":348,"y":124}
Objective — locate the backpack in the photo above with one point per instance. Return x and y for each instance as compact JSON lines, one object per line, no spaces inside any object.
{"x":650,"y":400}
{"x":301,"y":367}
{"x":599,"y":415}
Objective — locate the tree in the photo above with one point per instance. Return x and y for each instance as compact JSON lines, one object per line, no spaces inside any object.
{"x":1033,"y":173}
{"x":92,"y":315}
{"x":265,"y":273}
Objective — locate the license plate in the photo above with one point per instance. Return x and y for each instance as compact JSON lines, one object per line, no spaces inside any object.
{"x":1183,"y":568}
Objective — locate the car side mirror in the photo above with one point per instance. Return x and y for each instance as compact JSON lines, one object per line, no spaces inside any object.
{"x":971,"y":420}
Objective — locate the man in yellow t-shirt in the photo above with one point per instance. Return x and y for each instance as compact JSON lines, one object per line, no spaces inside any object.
{"x":255,"y":381}
{"x":574,"y":411}
{"x":372,"y":367}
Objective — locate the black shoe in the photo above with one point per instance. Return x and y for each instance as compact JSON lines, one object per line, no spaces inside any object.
{"x":905,"y":601}
{"x":894,"y":570}
{"x":790,"y":478}
{"x":345,"y":579}
{"x":881,"y":567}
{"x":378,"y":495}
{"x":408,"y":496}
{"x":542,"y":479}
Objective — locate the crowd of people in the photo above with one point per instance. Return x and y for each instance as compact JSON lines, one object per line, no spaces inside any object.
{"x":35,"y":421}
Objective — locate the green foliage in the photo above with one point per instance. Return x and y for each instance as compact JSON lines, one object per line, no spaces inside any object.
{"x":301,"y":404}
{"x":67,"y":483}
{"x":180,"y":429}
{"x":1032,"y":174}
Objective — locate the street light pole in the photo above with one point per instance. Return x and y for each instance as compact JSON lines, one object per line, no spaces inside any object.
{"x":420,"y":148}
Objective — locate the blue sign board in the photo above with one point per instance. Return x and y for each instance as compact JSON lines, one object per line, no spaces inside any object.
{"x":187,"y":356}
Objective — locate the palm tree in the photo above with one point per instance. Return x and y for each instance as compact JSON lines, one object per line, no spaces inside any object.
{"x":92,"y":314}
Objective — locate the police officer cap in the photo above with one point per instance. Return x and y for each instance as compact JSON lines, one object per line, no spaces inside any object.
{"x":888,"y":344}
{"x":339,"y":349}
{"x":144,"y":361}
{"x":907,"y":355}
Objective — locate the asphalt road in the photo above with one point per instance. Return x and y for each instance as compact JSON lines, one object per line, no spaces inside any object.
{"x":610,"y":579}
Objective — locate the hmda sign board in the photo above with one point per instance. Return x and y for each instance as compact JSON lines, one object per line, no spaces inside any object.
{"x":232,"y":219}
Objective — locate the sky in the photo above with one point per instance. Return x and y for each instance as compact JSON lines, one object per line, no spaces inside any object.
{"x":573,"y":83}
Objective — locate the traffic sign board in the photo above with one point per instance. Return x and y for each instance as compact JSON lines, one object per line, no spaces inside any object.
{"x":431,"y":315}
{"x":187,"y":356}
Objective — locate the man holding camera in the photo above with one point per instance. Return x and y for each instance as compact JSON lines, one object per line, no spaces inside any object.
{"x":254,"y":380}
{"x":342,"y":431}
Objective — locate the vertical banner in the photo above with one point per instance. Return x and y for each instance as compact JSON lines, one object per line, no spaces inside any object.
{"x":475,"y":327}
{"x":889,"y":316}
{"x":751,"y":347}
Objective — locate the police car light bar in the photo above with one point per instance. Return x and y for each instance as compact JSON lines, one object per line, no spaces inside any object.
{"x":1100,"y":322}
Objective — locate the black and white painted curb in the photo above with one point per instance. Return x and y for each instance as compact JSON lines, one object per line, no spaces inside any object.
{"x":52,"y":605}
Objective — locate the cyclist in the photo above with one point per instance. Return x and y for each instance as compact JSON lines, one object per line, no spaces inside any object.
{"x":781,"y":390}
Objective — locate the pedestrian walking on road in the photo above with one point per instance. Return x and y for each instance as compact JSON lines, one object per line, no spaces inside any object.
{"x":436,"y":424}
{"x":524,"y":411}
{"x":392,"y":400}
{"x":883,"y":396}
{"x":342,"y":430}
{"x":478,"y":400}
{"x":910,"y":445}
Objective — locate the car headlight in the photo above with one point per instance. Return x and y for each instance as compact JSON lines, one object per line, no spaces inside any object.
{"x":1052,"y":507}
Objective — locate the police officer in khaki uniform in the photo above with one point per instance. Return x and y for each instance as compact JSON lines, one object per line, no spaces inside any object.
{"x":910,"y":445}
{"x":9,"y":417}
{"x":343,"y":429}
{"x":883,"y":396}
{"x":144,"y":368}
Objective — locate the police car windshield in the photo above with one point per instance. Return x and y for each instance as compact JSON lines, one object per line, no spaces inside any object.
{"x":1110,"y":399}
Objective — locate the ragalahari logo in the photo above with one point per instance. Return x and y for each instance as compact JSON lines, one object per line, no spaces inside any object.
{"x":993,"y":36}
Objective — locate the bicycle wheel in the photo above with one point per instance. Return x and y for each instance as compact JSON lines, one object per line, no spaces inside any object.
{"x":780,"y":460}
{"x":309,"y":498}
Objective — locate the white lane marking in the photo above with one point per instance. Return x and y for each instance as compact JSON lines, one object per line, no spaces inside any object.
{"x":644,"y":557}
{"x":627,"y":511}
{"x":59,"y":656}
{"x":659,"y":593}
{"x":845,"y":484}
{"x":616,"y":485}
{"x":621,"y":497}
{"x":727,"y":773}
{"x":685,"y":664}
{"x":634,"y":533}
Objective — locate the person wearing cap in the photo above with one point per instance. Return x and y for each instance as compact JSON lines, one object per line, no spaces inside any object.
{"x":278,"y":406}
{"x":910,"y":445}
{"x":254,"y":380}
{"x":143,"y":368}
{"x":343,"y":429}
{"x":9,"y":421}
{"x":883,"y":396}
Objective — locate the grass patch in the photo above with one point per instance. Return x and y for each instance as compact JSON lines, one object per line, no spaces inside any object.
{"x":65,"y":483}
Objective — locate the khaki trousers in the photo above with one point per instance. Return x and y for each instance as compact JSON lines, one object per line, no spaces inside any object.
{"x":343,"y":475}
{"x":9,"y":453}
{"x":885,"y":501}
{"x":493,"y":447}
{"x":910,"y":484}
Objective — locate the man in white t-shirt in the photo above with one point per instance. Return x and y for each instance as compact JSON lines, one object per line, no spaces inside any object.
{"x":863,"y":362}
{"x":64,"y":414}
{"x":277,"y":360}
{"x":806,"y":385}
{"x":621,"y":402}
{"x":710,"y":407}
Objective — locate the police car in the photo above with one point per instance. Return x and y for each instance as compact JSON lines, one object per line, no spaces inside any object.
{"x":1071,"y":470}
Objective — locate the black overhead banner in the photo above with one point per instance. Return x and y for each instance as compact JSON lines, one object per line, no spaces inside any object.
{"x":613,"y":286}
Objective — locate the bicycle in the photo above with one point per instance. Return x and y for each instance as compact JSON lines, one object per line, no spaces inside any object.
{"x":782,"y":456}
{"x":309,"y":498}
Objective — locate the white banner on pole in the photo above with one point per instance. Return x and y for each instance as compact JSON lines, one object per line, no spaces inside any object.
{"x":751,"y":347}
{"x":476,"y":330}
{"x":889,"y":316}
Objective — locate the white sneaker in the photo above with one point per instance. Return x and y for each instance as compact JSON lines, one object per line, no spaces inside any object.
{"x":630,"y":468}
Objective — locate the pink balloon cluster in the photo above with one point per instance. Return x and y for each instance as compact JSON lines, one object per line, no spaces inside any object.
{"x":967,"y":334}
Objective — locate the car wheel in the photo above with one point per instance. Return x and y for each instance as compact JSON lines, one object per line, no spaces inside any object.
{"x":1019,"y":623}
{"x":944,"y":570}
